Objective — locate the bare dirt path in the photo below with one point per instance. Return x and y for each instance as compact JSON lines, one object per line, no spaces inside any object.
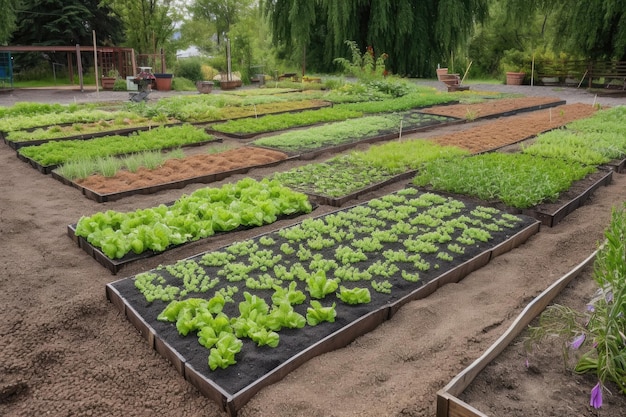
{"x":64,"y":350}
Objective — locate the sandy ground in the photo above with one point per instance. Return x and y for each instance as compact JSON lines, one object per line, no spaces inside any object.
{"x":65,"y":351}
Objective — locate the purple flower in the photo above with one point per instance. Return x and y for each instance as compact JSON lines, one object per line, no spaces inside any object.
{"x":591,"y":308}
{"x":578,"y":341}
{"x":608,"y":296}
{"x":526,"y":363}
{"x":596,"y":396}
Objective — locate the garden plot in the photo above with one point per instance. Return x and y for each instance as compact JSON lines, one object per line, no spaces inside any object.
{"x":495,"y":108}
{"x":115,"y":239}
{"x":172,"y":173}
{"x":122,"y":125}
{"x":308,"y":288}
{"x":49,"y":156}
{"x":343,"y":135}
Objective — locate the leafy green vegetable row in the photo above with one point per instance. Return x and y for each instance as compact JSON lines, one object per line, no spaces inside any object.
{"x":192,"y":217}
{"x":58,"y":153}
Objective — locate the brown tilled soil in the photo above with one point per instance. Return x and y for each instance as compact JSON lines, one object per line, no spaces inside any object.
{"x":65,"y":351}
{"x":182,"y":169}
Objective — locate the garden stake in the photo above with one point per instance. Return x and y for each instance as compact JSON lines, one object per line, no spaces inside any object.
{"x":400,"y":136}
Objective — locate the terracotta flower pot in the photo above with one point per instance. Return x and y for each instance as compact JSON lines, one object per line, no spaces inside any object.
{"x":108,"y":82}
{"x":163,"y":81}
{"x":515,"y":78}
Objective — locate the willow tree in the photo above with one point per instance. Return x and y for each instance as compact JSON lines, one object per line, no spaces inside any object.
{"x":593,"y":29}
{"x":415,"y":35}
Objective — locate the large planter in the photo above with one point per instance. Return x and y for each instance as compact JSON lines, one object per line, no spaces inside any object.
{"x":204,"y":87}
{"x":229,"y":85}
{"x":108,"y":82}
{"x":440,"y":72}
{"x":515,"y":78}
{"x":163,"y":81}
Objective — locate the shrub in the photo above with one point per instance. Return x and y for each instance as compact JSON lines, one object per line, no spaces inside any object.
{"x":190,"y":68}
{"x":182,"y":84}
{"x":120,"y":85}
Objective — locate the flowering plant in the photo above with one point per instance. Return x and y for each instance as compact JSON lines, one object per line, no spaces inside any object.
{"x":600,"y":333}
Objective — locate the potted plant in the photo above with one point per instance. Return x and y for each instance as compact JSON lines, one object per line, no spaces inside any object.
{"x":204,"y":87}
{"x":514,"y":64}
{"x":163,"y":81}
{"x":108,"y":80}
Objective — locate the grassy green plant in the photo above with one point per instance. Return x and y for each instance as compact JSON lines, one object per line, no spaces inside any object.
{"x":109,"y":166}
{"x":517,"y":180}
{"x":331,"y":134}
{"x":271,"y":123}
{"x":591,"y":148}
{"x":58,"y":153}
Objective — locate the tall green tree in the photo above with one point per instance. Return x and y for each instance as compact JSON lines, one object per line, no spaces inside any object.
{"x":149,"y":24}
{"x":7,"y":19}
{"x":57,"y":22}
{"x":416,"y":34}
{"x":223,"y":14}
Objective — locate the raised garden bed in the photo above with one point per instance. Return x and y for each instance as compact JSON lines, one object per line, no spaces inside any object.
{"x":495,"y":108}
{"x":499,"y":133}
{"x":49,"y":156}
{"x":449,"y":402}
{"x":258,"y":367}
{"x":339,"y":136}
{"x":551,"y":214}
{"x":116,"y":239}
{"x":17,"y":144}
{"x":175,"y":173}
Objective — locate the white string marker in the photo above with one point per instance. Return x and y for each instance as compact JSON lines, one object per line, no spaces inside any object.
{"x":400,"y":137}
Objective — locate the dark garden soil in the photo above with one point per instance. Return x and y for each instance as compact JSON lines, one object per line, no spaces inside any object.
{"x":66,"y":351}
{"x":254,"y":362}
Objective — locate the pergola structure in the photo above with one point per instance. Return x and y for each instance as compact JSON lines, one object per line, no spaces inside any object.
{"x":107,"y":58}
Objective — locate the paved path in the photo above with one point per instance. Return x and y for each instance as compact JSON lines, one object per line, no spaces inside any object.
{"x":74,"y":95}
